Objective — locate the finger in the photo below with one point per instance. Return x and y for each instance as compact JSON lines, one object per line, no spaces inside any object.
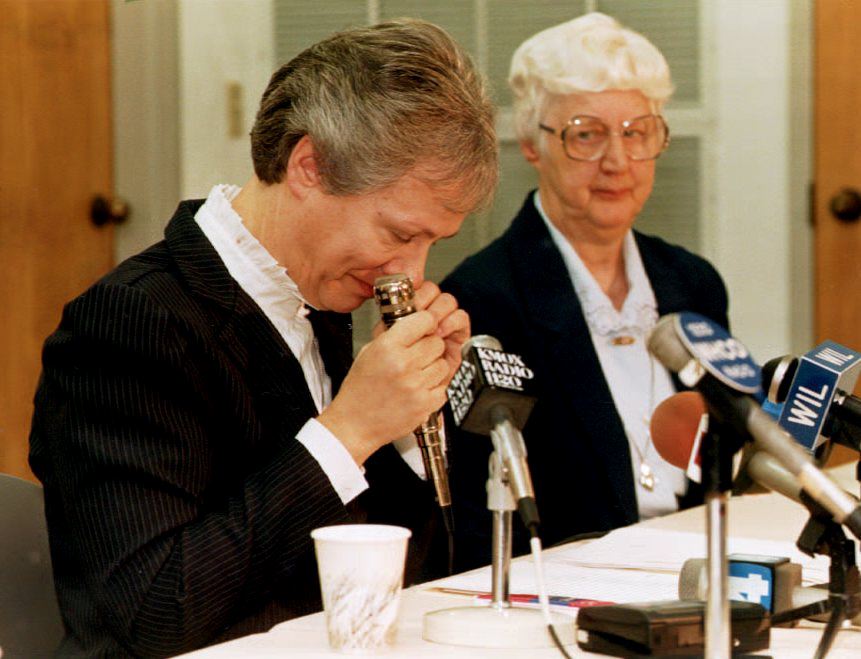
{"x":378,"y":329}
{"x":455,"y":326}
{"x":438,"y":397}
{"x":435,"y":374}
{"x":409,"y":329}
{"x":426,"y":351}
{"x":443,"y":307}
{"x":425,"y":294}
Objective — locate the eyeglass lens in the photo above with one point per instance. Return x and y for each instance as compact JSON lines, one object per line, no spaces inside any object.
{"x":587,"y":138}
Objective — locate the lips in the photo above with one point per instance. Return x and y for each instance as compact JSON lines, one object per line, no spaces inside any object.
{"x":611,"y":193}
{"x":366,"y":289}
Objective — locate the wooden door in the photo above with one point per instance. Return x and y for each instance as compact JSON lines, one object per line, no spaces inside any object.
{"x":55,"y":156}
{"x":837,"y":154}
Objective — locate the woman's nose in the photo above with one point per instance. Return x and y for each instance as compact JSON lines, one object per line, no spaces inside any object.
{"x":615,"y":158}
{"x":411,"y":264}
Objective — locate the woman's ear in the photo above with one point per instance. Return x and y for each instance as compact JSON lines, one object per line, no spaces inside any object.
{"x":303,"y":173}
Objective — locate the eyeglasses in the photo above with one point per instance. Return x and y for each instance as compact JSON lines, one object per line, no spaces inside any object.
{"x":588,"y":138}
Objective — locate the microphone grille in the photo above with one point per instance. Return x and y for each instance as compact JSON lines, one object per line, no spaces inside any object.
{"x":480,"y":341}
{"x":395,"y":297}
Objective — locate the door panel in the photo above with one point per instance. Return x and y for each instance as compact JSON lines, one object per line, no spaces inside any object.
{"x":837,"y":149}
{"x":55,"y":156}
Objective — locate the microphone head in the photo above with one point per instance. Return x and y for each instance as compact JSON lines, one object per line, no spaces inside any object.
{"x":395,"y":297}
{"x":777,"y":376}
{"x":479,"y":341}
{"x":487,"y":379}
{"x":664,"y":343}
{"x":674,"y":426}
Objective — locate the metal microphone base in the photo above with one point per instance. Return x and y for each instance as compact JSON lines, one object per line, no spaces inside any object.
{"x":496,"y":627}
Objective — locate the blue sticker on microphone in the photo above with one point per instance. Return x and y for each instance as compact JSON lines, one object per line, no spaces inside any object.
{"x":719,"y":353}
{"x":822,"y":372}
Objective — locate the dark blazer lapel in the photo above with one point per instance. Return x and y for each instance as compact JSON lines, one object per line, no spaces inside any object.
{"x":273,"y":371}
{"x":671,"y":293}
{"x":570,"y":357}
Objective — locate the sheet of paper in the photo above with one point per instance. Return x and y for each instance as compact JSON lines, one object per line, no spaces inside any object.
{"x":631,"y":564}
{"x":660,"y":550}
{"x":573,"y":581}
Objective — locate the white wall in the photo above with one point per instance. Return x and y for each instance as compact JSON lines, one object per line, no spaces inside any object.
{"x":757,"y":232}
{"x":220,"y":41}
{"x":145,"y":108}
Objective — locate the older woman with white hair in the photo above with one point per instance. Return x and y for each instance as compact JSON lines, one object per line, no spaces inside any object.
{"x":574,"y":289}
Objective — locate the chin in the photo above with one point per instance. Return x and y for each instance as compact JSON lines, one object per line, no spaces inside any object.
{"x":343,"y":303}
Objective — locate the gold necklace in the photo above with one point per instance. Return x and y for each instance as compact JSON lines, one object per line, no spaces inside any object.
{"x":647,"y":476}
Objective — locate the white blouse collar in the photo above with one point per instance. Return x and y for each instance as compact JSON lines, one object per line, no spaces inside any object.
{"x":268,"y":280}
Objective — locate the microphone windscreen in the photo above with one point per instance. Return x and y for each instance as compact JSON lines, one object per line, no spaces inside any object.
{"x":674,"y":426}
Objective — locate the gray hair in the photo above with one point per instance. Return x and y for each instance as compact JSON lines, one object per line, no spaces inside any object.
{"x":377,"y":103}
{"x":592,"y":53}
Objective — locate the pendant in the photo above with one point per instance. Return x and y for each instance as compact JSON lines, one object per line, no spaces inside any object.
{"x":647,"y":478}
{"x":622,"y":340}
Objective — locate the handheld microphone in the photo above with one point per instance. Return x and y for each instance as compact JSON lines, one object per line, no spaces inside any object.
{"x":395,"y":297}
{"x":488,"y":397}
{"x":719,"y":367}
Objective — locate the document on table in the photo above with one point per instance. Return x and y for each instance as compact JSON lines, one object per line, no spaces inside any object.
{"x":630,"y":564}
{"x":659,"y":550}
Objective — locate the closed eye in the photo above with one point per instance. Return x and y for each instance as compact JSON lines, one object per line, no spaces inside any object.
{"x":402,"y":238}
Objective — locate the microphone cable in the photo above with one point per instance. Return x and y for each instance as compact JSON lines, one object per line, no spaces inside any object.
{"x":543,"y":599}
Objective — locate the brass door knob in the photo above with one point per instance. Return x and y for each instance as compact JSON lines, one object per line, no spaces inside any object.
{"x":846,"y":205}
{"x":108,"y":211}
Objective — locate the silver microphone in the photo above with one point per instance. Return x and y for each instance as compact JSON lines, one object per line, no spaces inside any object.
{"x":395,"y":298}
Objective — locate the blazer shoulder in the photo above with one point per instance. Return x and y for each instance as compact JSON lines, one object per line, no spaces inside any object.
{"x":683,"y":279}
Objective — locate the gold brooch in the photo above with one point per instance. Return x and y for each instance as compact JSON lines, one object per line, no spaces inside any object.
{"x":622,"y":340}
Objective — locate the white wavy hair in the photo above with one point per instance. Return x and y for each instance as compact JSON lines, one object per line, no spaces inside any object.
{"x":591,"y":53}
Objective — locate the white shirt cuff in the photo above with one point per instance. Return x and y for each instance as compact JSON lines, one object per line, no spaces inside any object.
{"x":336,"y":462}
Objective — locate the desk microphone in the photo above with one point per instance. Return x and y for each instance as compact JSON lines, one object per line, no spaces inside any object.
{"x":489,"y":396}
{"x":813,"y":392}
{"x":683,"y":342}
{"x":676,"y":429}
{"x":396,"y":298}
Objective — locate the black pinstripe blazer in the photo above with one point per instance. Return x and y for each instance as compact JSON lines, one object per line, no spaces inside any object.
{"x":519,"y":290}
{"x":178,"y":500}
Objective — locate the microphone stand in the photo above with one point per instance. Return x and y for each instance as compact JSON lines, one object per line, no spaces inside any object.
{"x":716,"y":463}
{"x":822,"y":535}
{"x":501,"y":505}
{"x":499,"y":624}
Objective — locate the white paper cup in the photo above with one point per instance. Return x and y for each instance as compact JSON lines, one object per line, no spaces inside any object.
{"x":361,"y":569}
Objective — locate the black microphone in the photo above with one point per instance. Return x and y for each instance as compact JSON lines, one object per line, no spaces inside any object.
{"x":395,"y":297}
{"x":718,"y":370}
{"x":488,"y":396}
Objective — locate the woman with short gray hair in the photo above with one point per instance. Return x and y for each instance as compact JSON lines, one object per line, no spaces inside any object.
{"x":574,"y":289}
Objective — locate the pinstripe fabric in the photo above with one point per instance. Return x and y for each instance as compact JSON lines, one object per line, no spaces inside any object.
{"x":179,"y":503}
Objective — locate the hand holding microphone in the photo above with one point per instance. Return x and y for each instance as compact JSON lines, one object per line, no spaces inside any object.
{"x":397,"y":301}
{"x":395,"y":382}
